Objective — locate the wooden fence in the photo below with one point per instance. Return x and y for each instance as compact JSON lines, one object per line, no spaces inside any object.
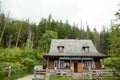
{"x":104,"y":74}
{"x":90,"y":75}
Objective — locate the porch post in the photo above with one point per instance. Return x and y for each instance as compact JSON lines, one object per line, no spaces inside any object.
{"x":82,"y":63}
{"x":47,"y":62}
{"x":103,"y":66}
{"x":71,"y":67}
{"x":70,"y":63}
{"x":59,"y":63}
{"x":93,"y":64}
{"x":103,"y":61}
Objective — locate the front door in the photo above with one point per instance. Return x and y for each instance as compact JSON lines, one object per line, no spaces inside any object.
{"x":75,"y":67}
{"x":79,"y":67}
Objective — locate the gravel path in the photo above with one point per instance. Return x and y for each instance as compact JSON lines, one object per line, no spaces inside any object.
{"x":30,"y":77}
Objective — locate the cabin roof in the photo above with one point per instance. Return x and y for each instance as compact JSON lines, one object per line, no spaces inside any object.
{"x":73,"y":47}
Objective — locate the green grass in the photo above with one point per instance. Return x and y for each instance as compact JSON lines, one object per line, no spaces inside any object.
{"x":105,"y":79}
{"x":60,"y":78}
{"x":70,"y":78}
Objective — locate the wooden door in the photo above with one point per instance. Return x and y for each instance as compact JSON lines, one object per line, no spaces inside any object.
{"x":79,"y":67}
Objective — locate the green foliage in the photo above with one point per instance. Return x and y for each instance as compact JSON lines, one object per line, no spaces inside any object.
{"x":16,"y":68}
{"x":105,"y":41}
{"x":21,"y":60}
{"x":40,"y":59}
{"x":115,"y":39}
{"x":115,"y":35}
{"x":47,"y":28}
{"x":113,"y":61}
{"x":29,"y":46}
{"x":3,"y":70}
{"x":114,"y":45}
{"x":13,"y":55}
{"x":117,"y":14}
{"x":28,"y":63}
{"x":46,"y":39}
{"x":2,"y":57}
{"x":60,"y":78}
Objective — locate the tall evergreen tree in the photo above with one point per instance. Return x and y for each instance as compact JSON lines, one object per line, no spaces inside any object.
{"x":96,"y":39}
{"x":104,"y":40}
{"x":115,"y":35}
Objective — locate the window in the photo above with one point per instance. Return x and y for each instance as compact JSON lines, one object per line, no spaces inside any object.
{"x":60,"y":49}
{"x":67,"y":65}
{"x":89,"y":64}
{"x":56,"y":64}
{"x":86,"y":49}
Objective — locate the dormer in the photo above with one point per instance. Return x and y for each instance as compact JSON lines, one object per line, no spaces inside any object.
{"x":85,"y":48}
{"x":60,"y":49}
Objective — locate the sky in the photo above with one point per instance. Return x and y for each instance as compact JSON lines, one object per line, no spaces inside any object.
{"x":94,"y":13}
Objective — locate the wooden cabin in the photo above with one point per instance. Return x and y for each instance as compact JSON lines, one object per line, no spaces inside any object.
{"x":73,"y":55}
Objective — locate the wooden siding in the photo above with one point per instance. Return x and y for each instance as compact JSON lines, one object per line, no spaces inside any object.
{"x":97,"y":63}
{"x":51,"y":64}
{"x":72,"y":66}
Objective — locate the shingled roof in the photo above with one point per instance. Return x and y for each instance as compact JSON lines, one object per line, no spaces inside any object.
{"x":73,"y":47}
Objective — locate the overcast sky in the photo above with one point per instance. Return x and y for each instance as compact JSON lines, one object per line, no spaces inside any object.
{"x":95,"y":13}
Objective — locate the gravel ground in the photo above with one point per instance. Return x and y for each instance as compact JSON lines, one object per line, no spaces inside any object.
{"x":30,"y":77}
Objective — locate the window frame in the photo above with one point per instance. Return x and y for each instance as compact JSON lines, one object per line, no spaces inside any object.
{"x":56,"y":64}
{"x":89,"y":64}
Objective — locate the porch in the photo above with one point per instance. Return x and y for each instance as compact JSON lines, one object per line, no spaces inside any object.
{"x":73,"y":64}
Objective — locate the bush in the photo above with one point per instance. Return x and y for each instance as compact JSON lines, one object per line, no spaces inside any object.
{"x":3,"y":74}
{"x":28,"y":63}
{"x":113,"y":62}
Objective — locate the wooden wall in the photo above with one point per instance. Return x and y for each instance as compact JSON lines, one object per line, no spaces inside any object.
{"x":98,"y":66}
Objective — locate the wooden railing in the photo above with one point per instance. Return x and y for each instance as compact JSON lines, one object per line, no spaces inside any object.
{"x":88,"y":75}
{"x":102,"y":74}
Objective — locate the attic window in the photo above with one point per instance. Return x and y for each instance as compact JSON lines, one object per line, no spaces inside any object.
{"x":86,"y":49}
{"x":60,"y":49}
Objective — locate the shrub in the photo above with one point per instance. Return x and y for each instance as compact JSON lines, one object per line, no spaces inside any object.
{"x":28,"y":63}
{"x":112,"y":62}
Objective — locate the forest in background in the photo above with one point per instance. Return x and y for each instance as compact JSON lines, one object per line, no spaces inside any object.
{"x":23,"y":44}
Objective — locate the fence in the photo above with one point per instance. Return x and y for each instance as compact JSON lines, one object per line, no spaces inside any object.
{"x":104,"y":74}
{"x":90,"y":75}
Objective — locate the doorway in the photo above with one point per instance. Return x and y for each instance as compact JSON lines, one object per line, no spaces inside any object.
{"x":75,"y":67}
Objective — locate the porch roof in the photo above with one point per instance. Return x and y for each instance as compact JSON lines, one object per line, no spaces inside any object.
{"x":76,"y":55}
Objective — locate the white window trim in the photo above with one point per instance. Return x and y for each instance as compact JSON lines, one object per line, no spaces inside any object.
{"x":89,"y":64}
{"x":59,"y":65}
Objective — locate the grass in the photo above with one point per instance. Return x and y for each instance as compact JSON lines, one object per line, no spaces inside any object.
{"x":70,"y":78}
{"x":60,"y":78}
{"x":106,"y":79}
